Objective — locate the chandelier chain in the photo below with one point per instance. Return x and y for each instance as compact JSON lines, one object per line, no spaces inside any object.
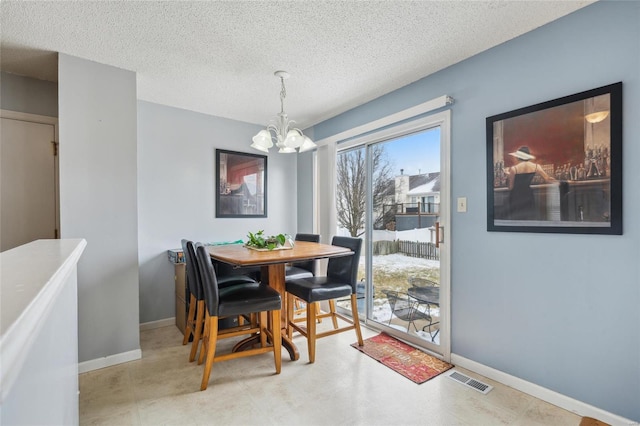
{"x":283,"y":94}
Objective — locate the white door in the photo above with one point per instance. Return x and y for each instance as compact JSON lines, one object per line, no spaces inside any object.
{"x":27,"y":181}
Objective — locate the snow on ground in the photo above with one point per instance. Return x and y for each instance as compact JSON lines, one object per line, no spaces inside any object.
{"x":382,"y":314}
{"x":398,"y":262}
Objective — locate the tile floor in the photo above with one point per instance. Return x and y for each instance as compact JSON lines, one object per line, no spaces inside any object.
{"x":343,"y":387}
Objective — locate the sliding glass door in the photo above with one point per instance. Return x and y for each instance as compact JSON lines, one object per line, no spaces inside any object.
{"x":390,"y":190}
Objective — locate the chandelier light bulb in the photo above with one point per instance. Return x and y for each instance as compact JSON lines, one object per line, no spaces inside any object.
{"x":259,"y":147}
{"x":307,"y":145}
{"x":262,"y":141}
{"x":294,"y":139}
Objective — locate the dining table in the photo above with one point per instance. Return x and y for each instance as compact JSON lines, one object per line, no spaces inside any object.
{"x":272,"y":271}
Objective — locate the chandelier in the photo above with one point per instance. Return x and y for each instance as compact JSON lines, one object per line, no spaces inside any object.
{"x":281,"y":131}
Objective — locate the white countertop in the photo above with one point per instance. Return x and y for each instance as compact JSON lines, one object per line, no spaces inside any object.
{"x":26,"y":271}
{"x":31,"y":278}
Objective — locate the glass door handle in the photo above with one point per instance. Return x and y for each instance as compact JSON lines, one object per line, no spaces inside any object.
{"x":438,"y":241}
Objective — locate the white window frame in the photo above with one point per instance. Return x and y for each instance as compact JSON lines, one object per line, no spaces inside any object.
{"x":324,"y":188}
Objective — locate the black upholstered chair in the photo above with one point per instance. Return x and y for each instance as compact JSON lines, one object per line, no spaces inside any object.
{"x":340,"y":281}
{"x":304,"y":269}
{"x":195,"y":316}
{"x":229,"y":275}
{"x":196,"y":297}
{"x":236,"y":300}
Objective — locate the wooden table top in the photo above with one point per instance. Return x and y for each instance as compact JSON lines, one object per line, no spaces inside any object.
{"x":239,"y":255}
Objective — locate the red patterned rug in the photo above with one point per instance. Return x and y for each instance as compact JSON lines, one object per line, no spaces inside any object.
{"x":412,"y":363}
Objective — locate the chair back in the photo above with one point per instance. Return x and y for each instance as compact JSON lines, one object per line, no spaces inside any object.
{"x":223,"y":269}
{"x":309,"y":265}
{"x":401,"y":305}
{"x":345,"y":268}
{"x":314,"y":238}
{"x":208,"y":279}
{"x":193,"y":275}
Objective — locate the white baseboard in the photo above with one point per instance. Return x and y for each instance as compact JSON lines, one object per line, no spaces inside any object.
{"x":108,"y":361}
{"x":157,"y":324}
{"x":578,"y":407}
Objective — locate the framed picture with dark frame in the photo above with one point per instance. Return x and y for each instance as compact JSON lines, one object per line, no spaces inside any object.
{"x":557,"y":166}
{"x":241,"y":184}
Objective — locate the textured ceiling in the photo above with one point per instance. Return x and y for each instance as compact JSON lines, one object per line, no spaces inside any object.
{"x":218,"y":57}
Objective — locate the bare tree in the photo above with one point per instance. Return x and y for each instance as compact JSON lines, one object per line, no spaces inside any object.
{"x":351,"y":188}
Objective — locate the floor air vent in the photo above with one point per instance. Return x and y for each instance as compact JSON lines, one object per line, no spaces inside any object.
{"x":472,"y":383}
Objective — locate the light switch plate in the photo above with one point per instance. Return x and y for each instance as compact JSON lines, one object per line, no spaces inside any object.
{"x":462,"y":204}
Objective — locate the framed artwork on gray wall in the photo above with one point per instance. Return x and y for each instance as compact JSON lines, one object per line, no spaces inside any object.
{"x":241,"y":184}
{"x":557,"y":166}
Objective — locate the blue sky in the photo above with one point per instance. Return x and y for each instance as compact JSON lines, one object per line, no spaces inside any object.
{"x":417,"y":153}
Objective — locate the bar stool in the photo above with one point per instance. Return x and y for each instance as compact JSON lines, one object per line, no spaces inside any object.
{"x":340,"y":281}
{"x":240,"y":299}
{"x":195,"y":316}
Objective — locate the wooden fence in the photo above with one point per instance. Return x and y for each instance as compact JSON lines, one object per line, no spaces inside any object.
{"x":410,"y":248}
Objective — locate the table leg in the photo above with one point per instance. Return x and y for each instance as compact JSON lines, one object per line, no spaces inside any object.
{"x":274,"y":276}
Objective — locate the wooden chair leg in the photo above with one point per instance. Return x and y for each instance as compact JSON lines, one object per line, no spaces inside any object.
{"x":263,"y":327}
{"x":205,"y":339}
{"x":191,"y":316}
{"x":198,"y":324}
{"x":212,"y":322}
{"x":297,"y":306}
{"x":276,"y":332}
{"x":311,"y":331}
{"x":298,"y":309}
{"x":290,"y":303}
{"x":332,"y":310}
{"x":356,"y":319}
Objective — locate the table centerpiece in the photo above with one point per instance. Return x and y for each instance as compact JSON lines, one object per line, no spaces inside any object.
{"x":261,"y":242}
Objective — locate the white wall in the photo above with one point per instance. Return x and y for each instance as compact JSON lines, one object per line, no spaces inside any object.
{"x":176,"y":187}
{"x":24,"y":94}
{"x":98,"y":197}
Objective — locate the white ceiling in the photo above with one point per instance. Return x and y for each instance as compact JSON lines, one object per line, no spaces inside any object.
{"x":218,"y":57}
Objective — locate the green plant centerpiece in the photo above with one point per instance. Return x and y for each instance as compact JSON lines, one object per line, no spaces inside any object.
{"x":260,"y":241}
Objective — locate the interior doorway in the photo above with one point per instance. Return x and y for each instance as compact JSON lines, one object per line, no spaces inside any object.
{"x":28,"y":180}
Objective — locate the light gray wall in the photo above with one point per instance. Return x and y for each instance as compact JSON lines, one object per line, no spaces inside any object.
{"x":176,"y":187}
{"x":24,"y":94}
{"x":305,"y":188}
{"x":98,"y":198}
{"x":558,"y":310}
